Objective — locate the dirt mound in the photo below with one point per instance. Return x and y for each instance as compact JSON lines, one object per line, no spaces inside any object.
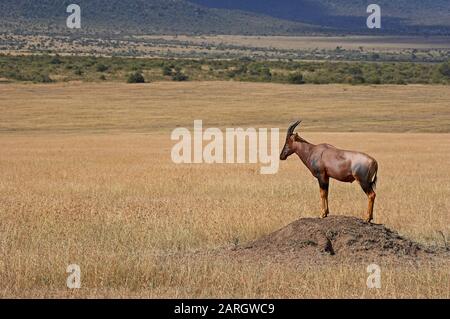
{"x":334,"y":237}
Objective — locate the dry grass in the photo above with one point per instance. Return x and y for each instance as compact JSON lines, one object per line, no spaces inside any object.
{"x":116,"y":205}
{"x":161,"y":106}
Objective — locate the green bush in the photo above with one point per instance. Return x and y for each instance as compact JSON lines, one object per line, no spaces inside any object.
{"x":55,"y":60}
{"x":90,"y":62}
{"x":357,"y":79}
{"x":373,"y":79}
{"x":444,"y":69}
{"x":266,"y":74}
{"x":37,"y":68}
{"x":261,"y":71}
{"x":166,"y":70}
{"x":296,"y":78}
{"x":41,"y":78}
{"x":136,"y":77}
{"x":318,"y":77}
{"x":179,"y":76}
{"x":15,"y":75}
{"x":101,"y":67}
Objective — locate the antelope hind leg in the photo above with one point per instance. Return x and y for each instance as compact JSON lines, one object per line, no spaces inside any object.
{"x":324,"y":185}
{"x":371,"y":197}
{"x":368,"y":189}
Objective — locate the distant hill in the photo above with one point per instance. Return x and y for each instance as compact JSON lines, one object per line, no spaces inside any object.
{"x":140,"y":16}
{"x":398,"y":16}
{"x":251,"y":17}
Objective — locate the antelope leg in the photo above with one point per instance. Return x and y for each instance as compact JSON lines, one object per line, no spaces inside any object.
{"x":324,"y":185}
{"x":371,"y":196}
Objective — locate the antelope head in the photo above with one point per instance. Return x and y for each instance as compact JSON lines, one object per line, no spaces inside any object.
{"x":288,"y":149}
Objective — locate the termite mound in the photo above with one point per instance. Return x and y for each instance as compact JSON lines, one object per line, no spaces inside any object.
{"x":337,"y":238}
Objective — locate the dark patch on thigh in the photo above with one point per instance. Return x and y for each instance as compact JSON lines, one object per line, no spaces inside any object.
{"x":361,"y":172}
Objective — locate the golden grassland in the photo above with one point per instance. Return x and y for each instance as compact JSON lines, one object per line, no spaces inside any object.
{"x":162,"y":106}
{"x":114,"y":202}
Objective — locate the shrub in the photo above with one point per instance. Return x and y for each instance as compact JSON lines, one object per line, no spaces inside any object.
{"x":15,"y":75}
{"x":296,"y":78}
{"x":101,"y":67}
{"x":136,"y":77}
{"x":373,"y":79}
{"x":135,"y":67}
{"x":41,"y":78}
{"x":55,"y":60}
{"x":444,"y":69}
{"x":355,"y":70}
{"x":318,"y":77}
{"x":90,"y":62}
{"x":166,"y":70}
{"x":357,"y":79}
{"x":260,"y":71}
{"x":265,"y":73}
{"x":179,"y":76}
{"x":231,"y":74}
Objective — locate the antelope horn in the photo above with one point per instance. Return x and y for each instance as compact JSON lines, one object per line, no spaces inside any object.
{"x":292,"y":128}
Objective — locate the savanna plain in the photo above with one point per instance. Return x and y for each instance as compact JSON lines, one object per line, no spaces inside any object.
{"x":86,"y":178}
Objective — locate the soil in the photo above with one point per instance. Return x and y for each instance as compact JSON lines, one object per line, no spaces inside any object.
{"x":337,"y":238}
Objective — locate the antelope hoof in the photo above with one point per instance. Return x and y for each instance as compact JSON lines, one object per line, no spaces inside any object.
{"x":324,"y":216}
{"x":368,"y":220}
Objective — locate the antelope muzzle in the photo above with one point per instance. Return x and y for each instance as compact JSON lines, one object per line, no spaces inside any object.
{"x":285,"y":153}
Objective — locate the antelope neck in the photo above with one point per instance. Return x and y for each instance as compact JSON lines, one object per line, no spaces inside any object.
{"x":303,"y":149}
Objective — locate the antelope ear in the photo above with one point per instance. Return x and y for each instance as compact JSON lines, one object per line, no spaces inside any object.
{"x":296,"y":136}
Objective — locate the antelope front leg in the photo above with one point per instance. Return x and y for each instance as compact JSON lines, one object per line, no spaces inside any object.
{"x":324,"y":185}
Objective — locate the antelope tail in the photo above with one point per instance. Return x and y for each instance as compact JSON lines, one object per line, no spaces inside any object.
{"x":374,"y":174}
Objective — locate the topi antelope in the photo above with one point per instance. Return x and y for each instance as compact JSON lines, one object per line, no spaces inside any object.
{"x":325,"y":162}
